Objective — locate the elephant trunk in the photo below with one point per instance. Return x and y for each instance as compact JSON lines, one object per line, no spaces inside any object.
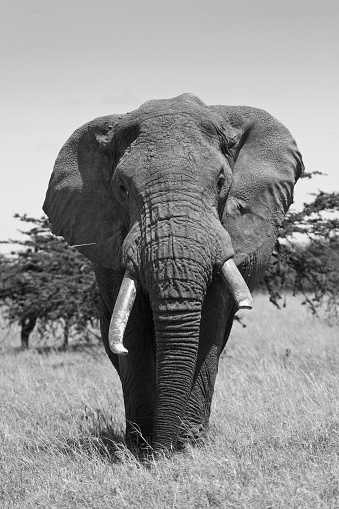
{"x":177,"y":330}
{"x":178,"y":259}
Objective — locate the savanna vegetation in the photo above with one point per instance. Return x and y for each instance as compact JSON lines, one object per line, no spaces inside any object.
{"x":273,"y":442}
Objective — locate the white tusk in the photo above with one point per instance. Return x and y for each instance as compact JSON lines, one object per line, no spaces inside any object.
{"x":236,"y":284}
{"x":121,"y":312}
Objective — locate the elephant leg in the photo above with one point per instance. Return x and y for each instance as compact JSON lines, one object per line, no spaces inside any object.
{"x":137,"y":369}
{"x":216,"y":323}
{"x":137,"y":374}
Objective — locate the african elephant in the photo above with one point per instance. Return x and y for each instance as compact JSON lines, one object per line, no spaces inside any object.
{"x":167,"y":201}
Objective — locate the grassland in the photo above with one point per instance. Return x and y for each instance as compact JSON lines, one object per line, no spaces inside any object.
{"x":273,"y":442}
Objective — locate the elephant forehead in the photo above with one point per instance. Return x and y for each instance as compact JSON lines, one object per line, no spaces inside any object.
{"x":172,"y":165}
{"x":167,"y":142}
{"x":170,"y":127}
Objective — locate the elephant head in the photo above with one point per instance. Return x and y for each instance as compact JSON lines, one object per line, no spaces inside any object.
{"x":167,"y":201}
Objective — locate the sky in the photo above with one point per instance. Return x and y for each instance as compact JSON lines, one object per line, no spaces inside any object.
{"x":65,"y":62}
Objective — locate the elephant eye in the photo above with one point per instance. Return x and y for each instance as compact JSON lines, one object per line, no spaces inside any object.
{"x":220,"y":183}
{"x":123,"y":189}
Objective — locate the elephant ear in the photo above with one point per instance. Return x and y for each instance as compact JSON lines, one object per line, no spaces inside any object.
{"x":267,"y":163}
{"x":79,"y":201}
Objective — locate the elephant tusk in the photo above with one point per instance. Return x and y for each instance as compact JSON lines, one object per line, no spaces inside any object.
{"x":236,"y":284}
{"x":121,"y":312}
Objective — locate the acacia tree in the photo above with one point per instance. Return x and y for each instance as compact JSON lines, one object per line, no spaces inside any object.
{"x":45,"y":282}
{"x":310,"y":268}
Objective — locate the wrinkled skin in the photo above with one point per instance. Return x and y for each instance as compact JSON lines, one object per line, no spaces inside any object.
{"x":170,"y":192}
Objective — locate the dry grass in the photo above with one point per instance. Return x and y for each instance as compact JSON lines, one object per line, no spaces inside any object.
{"x":274,"y":438}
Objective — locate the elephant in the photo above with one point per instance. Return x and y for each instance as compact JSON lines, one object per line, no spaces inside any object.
{"x":177,"y":205}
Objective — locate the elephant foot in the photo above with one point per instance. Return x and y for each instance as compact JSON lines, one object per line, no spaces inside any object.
{"x":139,"y":437}
{"x":192,"y":435}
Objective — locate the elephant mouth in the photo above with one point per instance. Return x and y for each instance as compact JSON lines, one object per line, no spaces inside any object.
{"x":126,"y":297}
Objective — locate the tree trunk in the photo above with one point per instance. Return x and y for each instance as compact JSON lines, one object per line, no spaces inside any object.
{"x":66,"y":334}
{"x":27,"y":326}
